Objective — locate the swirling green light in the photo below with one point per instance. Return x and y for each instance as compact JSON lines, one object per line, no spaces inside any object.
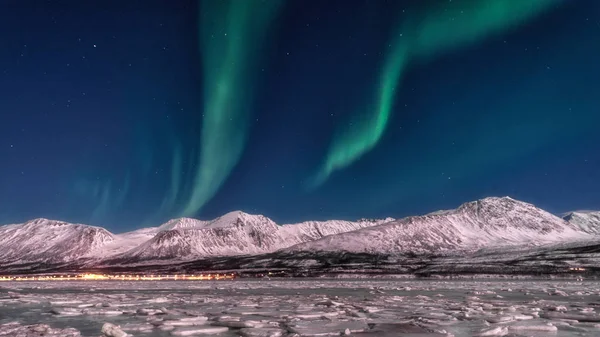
{"x":439,"y":29}
{"x":231,"y":34}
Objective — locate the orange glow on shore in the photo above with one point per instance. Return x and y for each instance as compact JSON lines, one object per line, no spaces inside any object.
{"x":121,"y":277}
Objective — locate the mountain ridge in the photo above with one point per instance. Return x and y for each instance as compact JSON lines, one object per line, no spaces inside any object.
{"x":494,"y":222}
{"x":50,"y":241}
{"x":588,"y":221}
{"x":234,"y":233}
{"x":473,"y":225}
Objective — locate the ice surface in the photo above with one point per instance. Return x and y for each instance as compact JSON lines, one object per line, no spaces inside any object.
{"x":302,"y":307}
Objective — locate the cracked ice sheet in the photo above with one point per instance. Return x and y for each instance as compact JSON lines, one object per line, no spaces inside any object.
{"x":369,"y":308}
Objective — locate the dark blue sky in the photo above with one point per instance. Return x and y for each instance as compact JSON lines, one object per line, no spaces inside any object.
{"x":98,"y":97}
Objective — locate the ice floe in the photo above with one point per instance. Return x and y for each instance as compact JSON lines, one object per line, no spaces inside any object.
{"x":287,"y":308}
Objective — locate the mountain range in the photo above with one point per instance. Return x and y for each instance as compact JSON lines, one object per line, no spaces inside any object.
{"x":238,"y":240}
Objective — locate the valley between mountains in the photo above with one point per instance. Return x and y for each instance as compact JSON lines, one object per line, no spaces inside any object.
{"x":499,"y":236}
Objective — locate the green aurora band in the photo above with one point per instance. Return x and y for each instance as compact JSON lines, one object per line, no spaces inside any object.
{"x":231,"y":33}
{"x":443,"y":28}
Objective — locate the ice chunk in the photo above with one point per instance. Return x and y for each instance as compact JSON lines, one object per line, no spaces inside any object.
{"x":199,"y":331}
{"x":316,"y":315}
{"x":15,"y":329}
{"x":111,"y":330}
{"x":523,"y":317}
{"x":261,"y":332}
{"x":526,"y":328}
{"x":66,"y":311}
{"x":142,"y":327}
{"x":571,"y":316}
{"x":239,"y":324}
{"x":326,"y":328}
{"x":93,"y":312}
{"x":498,"y":331}
{"x":500,"y":319}
{"x":57,"y":303}
{"x":186,"y":321}
{"x":148,"y":312}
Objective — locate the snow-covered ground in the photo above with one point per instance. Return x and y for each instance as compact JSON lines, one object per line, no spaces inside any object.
{"x":302,"y":307}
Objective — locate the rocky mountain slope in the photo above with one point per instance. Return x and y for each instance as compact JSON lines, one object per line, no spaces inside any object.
{"x":490,"y":222}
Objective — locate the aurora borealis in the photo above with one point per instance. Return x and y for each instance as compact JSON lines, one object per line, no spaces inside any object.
{"x":231,"y":34}
{"x":441,"y":27}
{"x":295,"y":109}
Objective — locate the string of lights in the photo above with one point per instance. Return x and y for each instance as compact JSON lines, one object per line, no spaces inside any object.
{"x":122,"y":277}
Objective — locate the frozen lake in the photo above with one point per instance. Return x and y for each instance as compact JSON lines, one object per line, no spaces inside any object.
{"x":302,"y":307}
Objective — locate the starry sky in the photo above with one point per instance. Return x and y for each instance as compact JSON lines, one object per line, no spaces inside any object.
{"x":125,"y":114}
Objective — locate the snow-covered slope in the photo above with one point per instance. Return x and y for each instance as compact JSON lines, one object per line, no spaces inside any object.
{"x":125,"y":242}
{"x":491,"y":223}
{"x":235,"y":233}
{"x":227,"y":220}
{"x":314,"y":230}
{"x":181,"y":223}
{"x":587,"y":221}
{"x":486,"y":223}
{"x":43,"y":240}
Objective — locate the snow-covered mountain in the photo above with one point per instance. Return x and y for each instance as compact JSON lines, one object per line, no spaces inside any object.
{"x":314,"y":230}
{"x":492,"y":224}
{"x":43,"y":240}
{"x":587,"y":221}
{"x":487,"y":223}
{"x":235,"y":233}
{"x":182,"y":223}
{"x":124,"y":242}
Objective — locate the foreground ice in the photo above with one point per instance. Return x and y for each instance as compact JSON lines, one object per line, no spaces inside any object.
{"x":301,"y":307}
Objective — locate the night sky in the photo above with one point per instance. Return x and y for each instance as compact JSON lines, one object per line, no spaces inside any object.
{"x":125,"y":114}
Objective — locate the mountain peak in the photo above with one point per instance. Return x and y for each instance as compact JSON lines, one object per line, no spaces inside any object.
{"x":231,"y":219}
{"x":49,"y":240}
{"x":497,"y":205}
{"x":374,"y":220}
{"x":587,"y":221}
{"x":235,"y":215}
{"x":44,"y":221}
{"x":238,"y":218}
{"x":180,"y":223}
{"x":496,"y":200}
{"x":491,"y":222}
{"x":484,"y":223}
